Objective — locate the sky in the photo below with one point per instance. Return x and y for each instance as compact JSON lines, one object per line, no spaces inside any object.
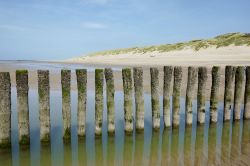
{"x":62,"y":29}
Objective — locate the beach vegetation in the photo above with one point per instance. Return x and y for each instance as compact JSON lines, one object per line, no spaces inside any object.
{"x":236,"y":39}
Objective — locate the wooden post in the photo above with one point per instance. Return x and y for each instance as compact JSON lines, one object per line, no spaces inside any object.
{"x":247,"y":95}
{"x":44,"y":105}
{"x":98,"y":101}
{"x":81,"y":76}
{"x":66,"y":105}
{"x":238,"y":93}
{"x":214,"y":94}
{"x":127,"y":89}
{"x":23,"y":106}
{"x":176,"y":95}
{"x":5,"y":110}
{"x":110,"y":92}
{"x":139,"y":97}
{"x":192,"y":79}
{"x":168,"y":74}
{"x":154,"y":72}
{"x":201,"y":95}
{"x":228,"y":93}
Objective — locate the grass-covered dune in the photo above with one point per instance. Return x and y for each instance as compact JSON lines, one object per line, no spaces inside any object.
{"x":237,"y":39}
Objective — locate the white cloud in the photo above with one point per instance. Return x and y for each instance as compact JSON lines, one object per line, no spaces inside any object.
{"x":94,"y":25}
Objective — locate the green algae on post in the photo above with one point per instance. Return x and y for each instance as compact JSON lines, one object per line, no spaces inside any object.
{"x":247,"y":94}
{"x":81,"y":77}
{"x":98,"y":101}
{"x":110,"y":92}
{"x":66,"y":105}
{"x":176,"y":95}
{"x":214,"y":94}
{"x":192,"y":79}
{"x":201,"y":94}
{"x":127,"y":90}
{"x":24,"y":140}
{"x":228,"y":93}
{"x":5,"y":110}
{"x":154,"y":72}
{"x":44,"y":105}
{"x":168,"y":74}
{"x":23,"y":106}
{"x":238,"y":93}
{"x":67,"y":135}
{"x":139,"y":97}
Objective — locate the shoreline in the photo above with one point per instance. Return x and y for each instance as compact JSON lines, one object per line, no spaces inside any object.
{"x":233,"y":55}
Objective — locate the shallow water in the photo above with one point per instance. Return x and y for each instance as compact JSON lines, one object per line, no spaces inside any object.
{"x":197,"y":145}
{"x":217,"y":144}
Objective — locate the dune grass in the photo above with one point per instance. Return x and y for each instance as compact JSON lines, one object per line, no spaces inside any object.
{"x":237,"y":39}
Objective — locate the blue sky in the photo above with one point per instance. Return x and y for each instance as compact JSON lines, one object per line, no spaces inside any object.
{"x":61,"y":29}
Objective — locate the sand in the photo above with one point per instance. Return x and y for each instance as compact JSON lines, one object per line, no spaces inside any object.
{"x":234,"y":55}
{"x":231,"y":55}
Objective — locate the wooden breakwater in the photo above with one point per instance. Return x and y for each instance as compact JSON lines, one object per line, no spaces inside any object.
{"x":237,"y":89}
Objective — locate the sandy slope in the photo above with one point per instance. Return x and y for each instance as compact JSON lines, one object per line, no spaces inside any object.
{"x":236,"y":55}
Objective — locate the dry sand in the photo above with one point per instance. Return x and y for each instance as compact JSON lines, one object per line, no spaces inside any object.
{"x":235,"y":55}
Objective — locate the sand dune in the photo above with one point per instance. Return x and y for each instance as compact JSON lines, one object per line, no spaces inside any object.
{"x":234,"y":55}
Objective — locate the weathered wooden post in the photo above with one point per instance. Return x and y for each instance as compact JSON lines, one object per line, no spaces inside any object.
{"x":139,"y":97}
{"x":201,"y":95}
{"x":81,"y":77}
{"x":214,"y":94}
{"x":23,"y":106}
{"x":127,"y":90}
{"x":192,"y":79}
{"x":66,"y":105}
{"x":98,"y":100}
{"x":5,"y":110}
{"x":228,"y":93}
{"x":154,"y":72}
{"x":44,"y":105}
{"x":238,"y":93}
{"x":168,"y":74}
{"x":110,"y":92}
{"x":176,"y":95}
{"x":247,"y":95}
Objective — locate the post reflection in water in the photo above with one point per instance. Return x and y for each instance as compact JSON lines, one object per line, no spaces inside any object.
{"x":224,"y":143}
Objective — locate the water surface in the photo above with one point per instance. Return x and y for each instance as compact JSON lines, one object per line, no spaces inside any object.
{"x":217,"y":144}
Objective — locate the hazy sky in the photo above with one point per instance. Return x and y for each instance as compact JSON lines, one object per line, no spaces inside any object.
{"x":60,"y":29}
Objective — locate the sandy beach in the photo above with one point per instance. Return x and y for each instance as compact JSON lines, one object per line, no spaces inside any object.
{"x":231,"y":55}
{"x":205,"y":57}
